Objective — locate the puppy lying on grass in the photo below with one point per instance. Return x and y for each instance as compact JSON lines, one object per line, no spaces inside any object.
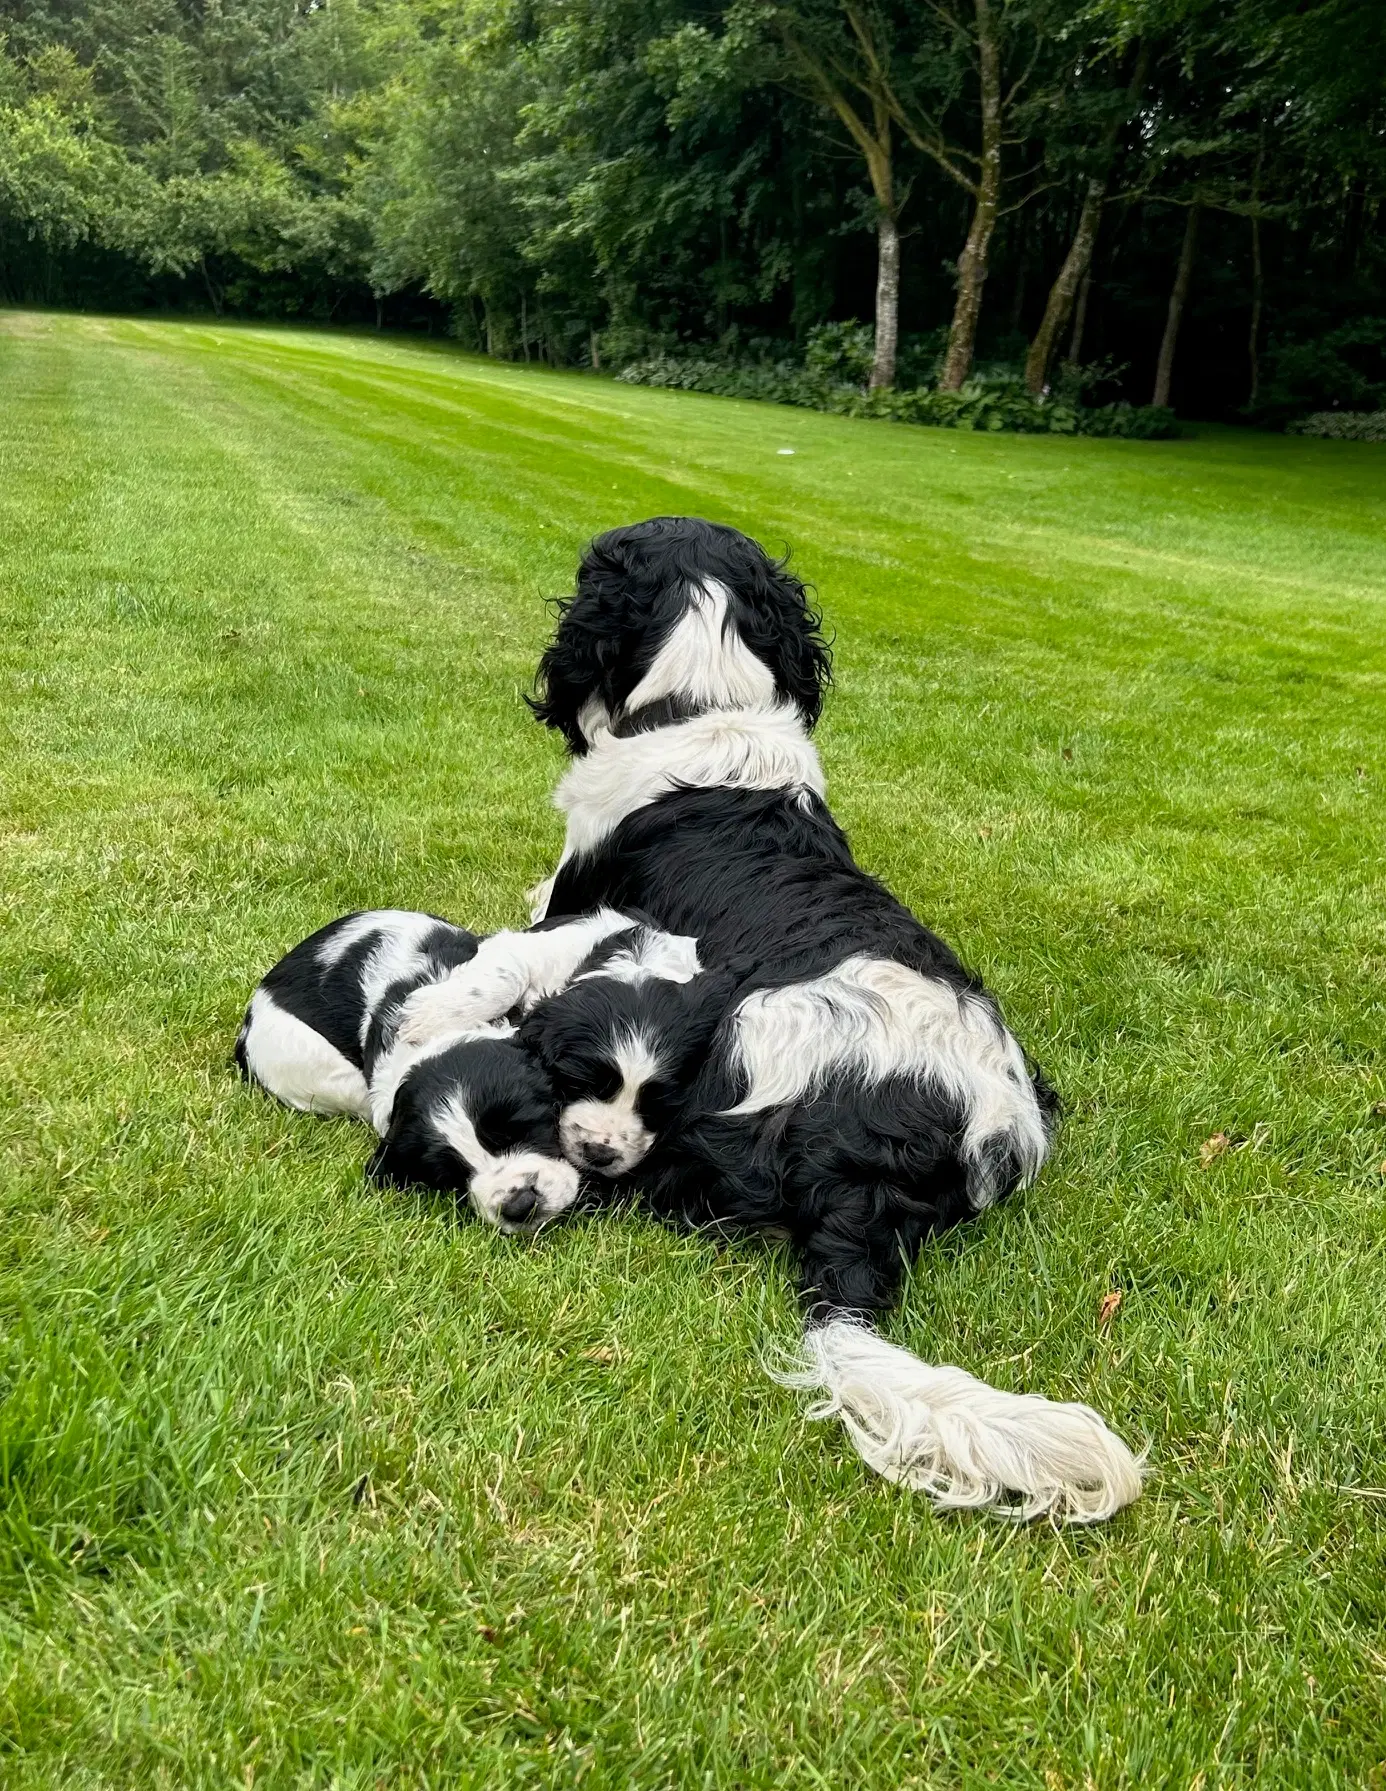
{"x":571,"y":1054}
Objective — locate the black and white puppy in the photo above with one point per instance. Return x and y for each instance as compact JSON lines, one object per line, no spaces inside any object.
{"x":468,"y":1111}
{"x":400,"y":1018}
{"x":616,"y":1011}
{"x":865,"y":1090}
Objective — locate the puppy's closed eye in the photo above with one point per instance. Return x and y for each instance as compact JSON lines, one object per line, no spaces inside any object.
{"x":504,"y":1128}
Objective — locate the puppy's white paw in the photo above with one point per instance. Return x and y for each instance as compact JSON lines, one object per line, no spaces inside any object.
{"x":438,"y":1009}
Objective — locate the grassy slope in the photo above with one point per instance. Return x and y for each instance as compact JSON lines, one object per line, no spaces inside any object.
{"x":304,"y":1484}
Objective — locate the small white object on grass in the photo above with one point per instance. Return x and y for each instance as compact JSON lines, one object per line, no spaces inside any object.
{"x":784,"y":450}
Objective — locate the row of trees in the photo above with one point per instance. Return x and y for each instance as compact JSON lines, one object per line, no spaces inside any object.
{"x":584,"y":180}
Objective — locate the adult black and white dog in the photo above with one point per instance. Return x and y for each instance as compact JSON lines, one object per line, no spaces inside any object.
{"x":864,"y":1091}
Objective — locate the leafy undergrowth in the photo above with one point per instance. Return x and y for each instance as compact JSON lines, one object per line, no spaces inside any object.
{"x":982,"y":403}
{"x":306,"y":1484}
{"x":1343,"y":425}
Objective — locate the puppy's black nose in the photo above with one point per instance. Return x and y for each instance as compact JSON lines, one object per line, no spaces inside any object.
{"x":518,"y":1206}
{"x":599,"y":1156}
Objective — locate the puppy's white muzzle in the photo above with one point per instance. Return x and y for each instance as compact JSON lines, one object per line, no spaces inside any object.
{"x":607,"y":1139}
{"x":522,"y":1191}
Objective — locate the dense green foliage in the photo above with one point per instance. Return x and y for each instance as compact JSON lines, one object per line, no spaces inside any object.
{"x":1344,"y":425}
{"x":606,"y":181}
{"x":994,"y":403}
{"x":306,"y":1484}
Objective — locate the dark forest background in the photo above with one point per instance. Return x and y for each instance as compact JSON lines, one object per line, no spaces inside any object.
{"x":1174,"y":191}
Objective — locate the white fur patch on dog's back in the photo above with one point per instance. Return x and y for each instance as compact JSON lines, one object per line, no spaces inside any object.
{"x":297,"y":1064}
{"x":401,"y":923}
{"x":871,"y":1019}
{"x":399,"y":957}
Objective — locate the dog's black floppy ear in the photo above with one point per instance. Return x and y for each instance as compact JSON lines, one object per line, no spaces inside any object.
{"x":571,"y":672}
{"x":592,"y":639}
{"x":775,"y":618}
{"x":403,"y":1159}
{"x":549,"y":1031}
{"x":387,"y":1167}
{"x":707,"y":999}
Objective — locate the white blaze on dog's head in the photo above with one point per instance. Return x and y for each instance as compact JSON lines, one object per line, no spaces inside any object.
{"x":649,"y":952}
{"x":704,"y":662}
{"x":609,"y":1136}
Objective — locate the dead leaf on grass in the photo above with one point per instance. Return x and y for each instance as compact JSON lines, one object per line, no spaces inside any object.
{"x":1213,"y":1148}
{"x":1106,"y":1312}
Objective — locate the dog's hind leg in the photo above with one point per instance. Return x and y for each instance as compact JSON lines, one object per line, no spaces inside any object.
{"x":296,"y":1064}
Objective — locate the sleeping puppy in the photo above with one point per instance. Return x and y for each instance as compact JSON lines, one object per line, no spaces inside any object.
{"x":479,"y":1115}
{"x":618,"y":1012}
{"x":399,"y":1018}
{"x":467,"y":1111}
{"x":623,"y":1044}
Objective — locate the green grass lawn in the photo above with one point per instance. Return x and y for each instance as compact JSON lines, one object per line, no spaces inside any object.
{"x":304,"y":1483}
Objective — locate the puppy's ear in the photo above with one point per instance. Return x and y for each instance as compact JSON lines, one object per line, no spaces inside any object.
{"x":707,"y":999}
{"x":396,"y":1161}
{"x":545,"y":1033}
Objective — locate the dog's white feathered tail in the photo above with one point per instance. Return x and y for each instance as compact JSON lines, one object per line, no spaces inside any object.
{"x":963,"y":1443}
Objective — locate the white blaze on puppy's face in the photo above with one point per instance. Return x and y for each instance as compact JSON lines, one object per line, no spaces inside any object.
{"x":516,"y":1190}
{"x":609,"y":1136}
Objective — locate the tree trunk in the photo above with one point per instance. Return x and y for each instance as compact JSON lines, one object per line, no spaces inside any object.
{"x":1164,"y":370}
{"x":972,"y":264}
{"x":1074,"y":276}
{"x":212,"y":293}
{"x":1080,"y":318}
{"x":872,"y":138}
{"x":887,"y":301}
{"x":1070,"y":278}
{"x":1350,"y":236}
{"x":1257,"y":288}
{"x":524,"y":325}
{"x":596,"y":348}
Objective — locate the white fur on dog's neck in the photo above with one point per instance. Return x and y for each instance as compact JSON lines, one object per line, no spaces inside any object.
{"x":764,"y":747}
